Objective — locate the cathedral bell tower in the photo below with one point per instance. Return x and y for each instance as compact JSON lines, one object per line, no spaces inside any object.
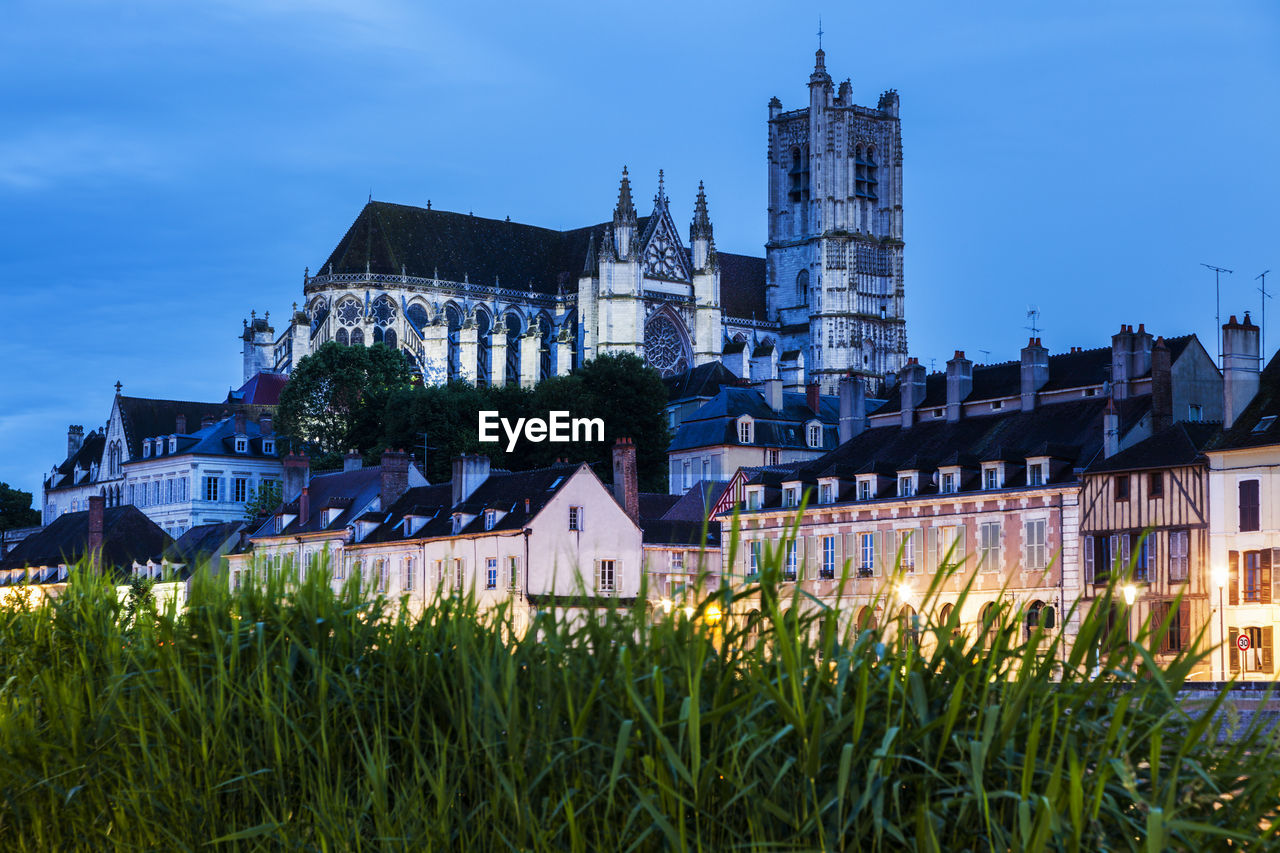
{"x":834,"y":255}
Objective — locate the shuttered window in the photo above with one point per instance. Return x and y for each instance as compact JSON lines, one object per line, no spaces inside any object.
{"x":1035,"y":550}
{"x":1179,"y":541}
{"x":1249,"y":509}
{"x":1233,"y":577}
{"x":1178,"y":620}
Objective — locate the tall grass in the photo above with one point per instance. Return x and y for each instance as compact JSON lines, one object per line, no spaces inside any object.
{"x":287,"y":716}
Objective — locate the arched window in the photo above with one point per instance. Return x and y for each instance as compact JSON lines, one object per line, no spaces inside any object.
{"x":384,"y":310}
{"x":377,"y":334}
{"x":483,"y":326}
{"x":866,"y":619}
{"x":341,"y":337}
{"x":907,"y":625}
{"x":389,"y":338}
{"x":453,"y":318}
{"x":357,"y":337}
{"x":513,"y":349}
{"x":990,"y":624}
{"x":802,"y":288}
{"x":544,"y":347}
{"x":753,"y":626}
{"x":418,"y":316}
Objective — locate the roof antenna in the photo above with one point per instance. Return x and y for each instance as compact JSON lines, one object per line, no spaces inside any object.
{"x":370,"y":195}
{"x":1265,"y":297}
{"x":1217,"y":296}
{"x":1033,"y":314}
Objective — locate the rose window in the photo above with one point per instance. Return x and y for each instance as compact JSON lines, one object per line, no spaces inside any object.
{"x":664,"y":346}
{"x":384,"y":310}
{"x":348,"y":312}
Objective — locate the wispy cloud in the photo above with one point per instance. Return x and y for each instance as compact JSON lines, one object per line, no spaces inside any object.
{"x":43,"y":158}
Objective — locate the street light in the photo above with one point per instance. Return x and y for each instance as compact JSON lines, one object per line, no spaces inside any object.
{"x":1220,"y":581}
{"x":713,"y":614}
{"x":1130,"y":593}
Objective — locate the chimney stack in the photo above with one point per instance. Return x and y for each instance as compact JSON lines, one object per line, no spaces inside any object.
{"x":853,"y":408}
{"x":1161,"y":387}
{"x":1140,"y":355}
{"x":1240,"y":365}
{"x":239,"y":422}
{"x":959,"y":384}
{"x":94,"y":544}
{"x":352,"y":461}
{"x":1121,"y":362}
{"x":911,"y":389}
{"x":626,"y":487}
{"x":75,"y":439}
{"x":812,"y":397}
{"x":773,"y":394}
{"x":1035,"y":372}
{"x":207,"y":421}
{"x":180,"y":425}
{"x":264,"y":424}
{"x":468,"y":473}
{"x":1110,"y":430}
{"x":297,"y":475}
{"x":304,"y":506}
{"x":395,"y":477}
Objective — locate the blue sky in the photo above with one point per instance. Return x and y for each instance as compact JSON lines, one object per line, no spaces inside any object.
{"x":166,"y":167}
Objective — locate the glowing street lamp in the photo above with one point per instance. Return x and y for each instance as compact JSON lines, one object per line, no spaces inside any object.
{"x":1130,"y":593}
{"x":713,"y":614}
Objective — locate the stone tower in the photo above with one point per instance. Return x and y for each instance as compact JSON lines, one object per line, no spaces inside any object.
{"x":834,"y":256}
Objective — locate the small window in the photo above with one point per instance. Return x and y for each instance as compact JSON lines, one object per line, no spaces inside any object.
{"x":491,"y":573}
{"x":607,"y":576}
{"x":815,"y":435}
{"x":575,"y":518}
{"x":1264,"y":424}
{"x":1155,"y":484}
{"x":825,"y":493}
{"x":948,"y":483}
{"x":676,"y":565}
{"x":791,"y":569}
{"x":1035,"y":475}
{"x":990,"y":479}
{"x":789,"y":497}
{"x":1195,"y":412}
{"x":146,"y":448}
{"x":268,"y":447}
{"x":173,"y":444}
{"x":1121,"y":487}
{"x":1091,"y":392}
{"x":744,"y":432}
{"x":905,"y":487}
{"x":997,"y":405}
{"x":489,"y":516}
{"x":828,"y":570}
{"x":242,"y":444}
{"x":1249,"y":508}
{"x":513,"y":573}
{"x":864,"y":490}
{"x":457,"y":522}
{"x":771,"y":456}
{"x":753,"y":500}
{"x":1178,"y":541}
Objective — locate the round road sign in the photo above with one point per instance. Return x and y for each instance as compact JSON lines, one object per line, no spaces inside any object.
{"x":1242,"y":642}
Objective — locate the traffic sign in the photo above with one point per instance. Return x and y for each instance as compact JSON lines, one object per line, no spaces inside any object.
{"x":1242,"y":642}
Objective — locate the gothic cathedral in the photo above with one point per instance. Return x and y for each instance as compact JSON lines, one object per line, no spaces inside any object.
{"x":498,"y":302}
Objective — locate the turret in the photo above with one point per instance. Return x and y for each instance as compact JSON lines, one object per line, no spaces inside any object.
{"x":624,"y":218}
{"x":700,"y":232}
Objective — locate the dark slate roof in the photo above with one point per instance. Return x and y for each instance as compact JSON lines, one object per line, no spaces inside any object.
{"x":147,"y":418}
{"x":89,"y":454}
{"x":701,"y":381}
{"x":677,"y":532}
{"x":261,"y":389}
{"x":1264,"y":404}
{"x":505,"y":491}
{"x":696,"y":503}
{"x":127,"y":536}
{"x":389,"y":239}
{"x":352,"y":490}
{"x":715,"y":422}
{"x":217,"y":440}
{"x":654,"y":505}
{"x":1072,"y":426}
{"x":1180,"y":444}
{"x":203,"y":543}
{"x":991,"y":381}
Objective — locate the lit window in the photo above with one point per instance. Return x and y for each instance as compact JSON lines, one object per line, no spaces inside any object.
{"x":513,"y":572}
{"x":867,"y":554}
{"x":1178,"y":541}
{"x":753,"y":562}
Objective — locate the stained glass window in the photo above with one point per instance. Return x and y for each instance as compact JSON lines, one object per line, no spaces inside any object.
{"x":348,"y":312}
{"x":664,"y":346}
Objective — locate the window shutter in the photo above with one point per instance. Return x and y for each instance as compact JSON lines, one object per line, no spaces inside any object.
{"x":1264,"y":582}
{"x":1233,"y":651}
{"x":1233,"y":578}
{"x":930,"y":556}
{"x":1088,"y":559}
{"x":595,"y":583}
{"x":883,"y":546}
{"x":1151,"y":556}
{"x":1266,"y":649}
{"x":1184,"y":625}
{"x":675,"y":476}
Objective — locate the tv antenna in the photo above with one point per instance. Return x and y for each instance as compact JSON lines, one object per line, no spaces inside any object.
{"x":1033,"y":315}
{"x":1217,"y":295}
{"x":986,"y":355}
{"x":1265,"y":296}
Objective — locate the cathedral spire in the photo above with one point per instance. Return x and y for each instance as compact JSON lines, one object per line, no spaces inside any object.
{"x":591,"y":263}
{"x":660,"y":200}
{"x":625,"y":212}
{"x":701,"y":227}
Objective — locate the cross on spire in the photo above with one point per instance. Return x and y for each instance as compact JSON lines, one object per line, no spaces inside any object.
{"x":819,"y":32}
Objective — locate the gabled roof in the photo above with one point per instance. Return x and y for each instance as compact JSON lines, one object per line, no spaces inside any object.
{"x":205,"y":543}
{"x":128,"y":536}
{"x":697,"y":503}
{"x":353,"y":490}
{"x":701,"y":381}
{"x":217,"y":440}
{"x":147,"y":418}
{"x":1180,"y":444}
{"x":89,"y":454}
{"x":1266,"y":403}
{"x":715,"y":422}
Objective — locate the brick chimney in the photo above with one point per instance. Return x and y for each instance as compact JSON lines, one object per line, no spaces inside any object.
{"x":395,"y":477}
{"x":853,"y":408}
{"x":1161,"y":387}
{"x":297,"y":475}
{"x":180,"y":425}
{"x":75,"y":439}
{"x":959,"y":384}
{"x":352,"y":461}
{"x":264,"y":424}
{"x":1240,"y":363}
{"x":304,"y":506}
{"x":812,"y":397}
{"x":94,"y":543}
{"x":239,"y":421}
{"x":626,"y":486}
{"x":1035,"y":372}
{"x":911,"y":388}
{"x":207,"y":421}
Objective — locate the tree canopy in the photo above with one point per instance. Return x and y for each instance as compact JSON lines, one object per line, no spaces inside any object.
{"x":336,"y":397}
{"x":15,"y":508}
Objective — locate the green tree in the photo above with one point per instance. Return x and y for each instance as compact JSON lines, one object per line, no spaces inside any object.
{"x":631,"y":399}
{"x":336,"y":398}
{"x":15,"y":508}
{"x":264,"y":500}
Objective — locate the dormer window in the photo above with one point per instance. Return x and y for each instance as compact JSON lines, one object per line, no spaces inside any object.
{"x":815,"y":434}
{"x":1036,"y":473}
{"x":242,"y":444}
{"x":865,"y":490}
{"x":173,"y":444}
{"x":490,"y":517}
{"x":753,"y":499}
{"x":949,"y":481}
{"x":268,"y":446}
{"x":746,"y":431}
{"x":827,"y":493}
{"x":991,"y":477}
{"x":906,"y":485}
{"x":146,"y":448}
{"x":457,"y":522}
{"x":789,"y":496}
